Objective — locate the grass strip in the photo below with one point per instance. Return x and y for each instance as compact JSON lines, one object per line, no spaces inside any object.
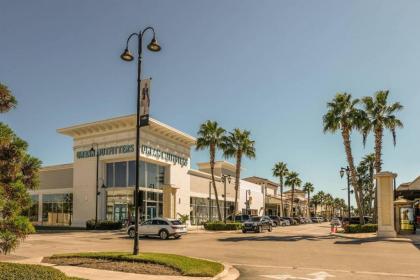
{"x":187,"y":266}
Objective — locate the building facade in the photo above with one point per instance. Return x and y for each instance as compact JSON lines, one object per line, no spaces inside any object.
{"x":101,"y":180}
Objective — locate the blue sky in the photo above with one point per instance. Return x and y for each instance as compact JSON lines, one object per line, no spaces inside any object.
{"x":266,"y":66}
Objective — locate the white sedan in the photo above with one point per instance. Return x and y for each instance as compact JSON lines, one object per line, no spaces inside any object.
{"x":162,"y":227}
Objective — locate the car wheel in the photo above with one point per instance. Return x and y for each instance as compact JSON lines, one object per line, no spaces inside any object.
{"x":163,"y":234}
{"x":244,"y":231}
{"x":131,"y":233}
{"x":270,"y":228}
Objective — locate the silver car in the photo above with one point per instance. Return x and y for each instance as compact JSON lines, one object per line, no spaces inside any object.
{"x":162,"y":227}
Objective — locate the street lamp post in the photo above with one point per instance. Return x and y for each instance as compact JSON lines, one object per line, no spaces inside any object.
{"x":127,"y":56}
{"x":347,"y":171}
{"x":224,"y":178}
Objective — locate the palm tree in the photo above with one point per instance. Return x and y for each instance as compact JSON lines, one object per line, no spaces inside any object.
{"x":211,"y":136}
{"x":380,"y":116}
{"x":343,"y":116}
{"x":315,"y":201}
{"x":293,"y":181}
{"x":321,"y":197}
{"x":7,"y":100}
{"x":280,"y":170}
{"x":308,"y":188}
{"x":238,"y":144}
{"x":328,"y":201}
{"x":365,"y":170}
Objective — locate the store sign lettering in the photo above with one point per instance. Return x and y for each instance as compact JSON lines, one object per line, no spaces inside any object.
{"x":115,"y":150}
{"x":163,"y":155}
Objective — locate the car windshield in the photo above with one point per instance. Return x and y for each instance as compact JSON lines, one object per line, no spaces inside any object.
{"x":176,"y":222}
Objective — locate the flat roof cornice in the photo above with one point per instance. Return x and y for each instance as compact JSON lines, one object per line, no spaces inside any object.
{"x":126,"y":122}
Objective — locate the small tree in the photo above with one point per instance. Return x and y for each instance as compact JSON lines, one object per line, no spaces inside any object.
{"x":18,"y":173}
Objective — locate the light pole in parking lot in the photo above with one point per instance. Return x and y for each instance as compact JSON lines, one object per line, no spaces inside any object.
{"x":225,"y":178}
{"x":347,"y":171}
{"x":153,"y":46}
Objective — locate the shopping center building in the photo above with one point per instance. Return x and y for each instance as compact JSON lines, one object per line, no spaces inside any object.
{"x":104,"y":170}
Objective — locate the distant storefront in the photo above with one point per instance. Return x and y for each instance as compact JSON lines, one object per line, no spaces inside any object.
{"x":169,"y":187}
{"x":407,"y":207}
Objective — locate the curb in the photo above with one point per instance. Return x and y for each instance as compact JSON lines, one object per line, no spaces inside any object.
{"x":229,"y":273}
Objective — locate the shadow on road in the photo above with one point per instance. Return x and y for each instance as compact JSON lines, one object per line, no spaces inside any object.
{"x":358,"y":241}
{"x":288,"y":238}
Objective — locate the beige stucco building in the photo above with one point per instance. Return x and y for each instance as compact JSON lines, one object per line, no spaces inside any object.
{"x":169,"y":187}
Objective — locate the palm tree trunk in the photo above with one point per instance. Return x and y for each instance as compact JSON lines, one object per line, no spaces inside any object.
{"x":281,"y":197}
{"x":237,"y":178}
{"x":291,"y":207}
{"x":378,"y":149}
{"x":353,"y":178}
{"x":309,"y":204}
{"x":212,"y":160}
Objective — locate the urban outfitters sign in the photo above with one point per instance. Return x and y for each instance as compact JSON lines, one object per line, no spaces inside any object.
{"x":163,"y":155}
{"x":115,"y":150}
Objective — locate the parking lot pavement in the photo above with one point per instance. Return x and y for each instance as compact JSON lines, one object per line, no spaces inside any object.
{"x":293,"y":252}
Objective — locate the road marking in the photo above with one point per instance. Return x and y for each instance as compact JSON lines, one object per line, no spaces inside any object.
{"x":331,"y":270}
{"x":322,"y":275}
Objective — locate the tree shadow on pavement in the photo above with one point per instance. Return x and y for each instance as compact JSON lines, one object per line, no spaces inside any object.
{"x":289,"y":238}
{"x":358,"y":241}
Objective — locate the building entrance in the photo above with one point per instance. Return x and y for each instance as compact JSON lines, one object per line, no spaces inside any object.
{"x":120,"y":212}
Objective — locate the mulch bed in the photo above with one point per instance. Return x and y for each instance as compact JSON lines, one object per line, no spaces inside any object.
{"x":124,"y":266}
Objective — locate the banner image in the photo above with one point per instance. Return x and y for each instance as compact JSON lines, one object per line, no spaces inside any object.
{"x":144,"y":102}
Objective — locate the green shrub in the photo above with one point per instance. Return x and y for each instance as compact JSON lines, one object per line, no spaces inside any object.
{"x":15,"y":271}
{"x":361,"y":228}
{"x":222,"y":226}
{"x":104,"y":225}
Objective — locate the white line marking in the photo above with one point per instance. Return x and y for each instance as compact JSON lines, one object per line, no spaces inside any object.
{"x":331,"y":270}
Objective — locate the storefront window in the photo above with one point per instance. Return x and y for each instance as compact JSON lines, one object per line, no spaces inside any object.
{"x":200,"y":210}
{"x":57,"y":209}
{"x":120,"y":205}
{"x":120,"y":174}
{"x":123,"y":174}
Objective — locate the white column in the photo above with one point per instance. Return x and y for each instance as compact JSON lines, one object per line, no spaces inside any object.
{"x":385,"y":191}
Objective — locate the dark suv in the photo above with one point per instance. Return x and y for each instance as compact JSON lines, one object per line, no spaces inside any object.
{"x":257,"y":224}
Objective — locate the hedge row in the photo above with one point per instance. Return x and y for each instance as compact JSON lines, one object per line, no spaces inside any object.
{"x":361,"y":228}
{"x":104,"y":225}
{"x":15,"y":271}
{"x":222,"y":226}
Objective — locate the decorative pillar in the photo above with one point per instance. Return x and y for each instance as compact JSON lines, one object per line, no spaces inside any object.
{"x":385,"y":192}
{"x":169,"y":202}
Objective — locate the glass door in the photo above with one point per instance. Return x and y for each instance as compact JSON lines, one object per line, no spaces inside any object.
{"x":151,"y":212}
{"x":120,"y":212}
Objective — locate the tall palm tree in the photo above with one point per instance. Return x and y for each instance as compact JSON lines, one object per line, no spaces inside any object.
{"x":7,"y":100}
{"x":380,"y":116}
{"x":238,"y":144}
{"x":280,"y":170}
{"x":308,"y":188}
{"x":210,"y":136}
{"x":315,"y":201}
{"x":293,"y":181}
{"x":321,"y":197}
{"x":328,"y":201}
{"x":344,"y":116}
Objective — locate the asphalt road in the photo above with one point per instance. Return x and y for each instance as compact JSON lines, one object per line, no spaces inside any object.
{"x":295,"y":252}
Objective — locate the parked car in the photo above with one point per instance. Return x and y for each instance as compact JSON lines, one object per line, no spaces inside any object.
{"x":302,"y":220}
{"x":238,"y":218}
{"x":278,"y":221}
{"x":335,"y":222}
{"x":162,"y":227}
{"x":317,"y":219}
{"x":291,"y":220}
{"x":257,"y":224}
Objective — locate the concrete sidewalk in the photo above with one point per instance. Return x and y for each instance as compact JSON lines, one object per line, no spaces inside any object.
{"x":229,"y":273}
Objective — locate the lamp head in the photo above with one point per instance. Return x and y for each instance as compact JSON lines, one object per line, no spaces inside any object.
{"x":103,"y":186}
{"x":126,"y":55}
{"x":92,"y":150}
{"x":153,"y":46}
{"x":341,"y":172}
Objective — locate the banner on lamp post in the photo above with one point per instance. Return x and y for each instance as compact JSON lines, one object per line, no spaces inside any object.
{"x":145,"y":101}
